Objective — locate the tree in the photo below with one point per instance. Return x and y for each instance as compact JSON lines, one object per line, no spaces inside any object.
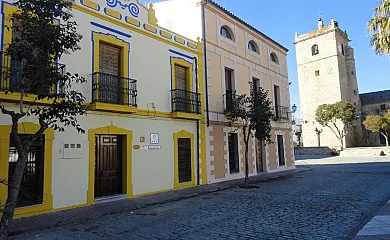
{"x":318,"y":132}
{"x":338,"y":117}
{"x":381,"y":124}
{"x":39,"y":41}
{"x":379,"y":28}
{"x":253,"y":115}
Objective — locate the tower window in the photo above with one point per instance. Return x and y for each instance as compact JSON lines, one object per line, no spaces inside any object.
{"x":341,"y":48}
{"x":314,"y":50}
{"x":317,"y":73}
{"x":352,"y":72}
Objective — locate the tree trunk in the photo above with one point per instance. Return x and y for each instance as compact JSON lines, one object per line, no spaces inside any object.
{"x":246,"y":164}
{"x":341,"y":143}
{"x":319,"y":139}
{"x":13,"y":192}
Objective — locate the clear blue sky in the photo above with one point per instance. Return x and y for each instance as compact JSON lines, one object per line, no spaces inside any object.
{"x":281,"y":19}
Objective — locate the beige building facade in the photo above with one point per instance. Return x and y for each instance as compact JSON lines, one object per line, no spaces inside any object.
{"x":236,"y":54}
{"x":326,"y":74}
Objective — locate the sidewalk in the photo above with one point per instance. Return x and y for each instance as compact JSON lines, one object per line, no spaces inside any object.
{"x":109,"y":208}
{"x":379,"y":226}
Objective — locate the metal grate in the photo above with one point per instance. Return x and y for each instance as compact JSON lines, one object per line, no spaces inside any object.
{"x":31,"y":191}
{"x":185,"y":101}
{"x":108,"y":88}
{"x":184,"y":159}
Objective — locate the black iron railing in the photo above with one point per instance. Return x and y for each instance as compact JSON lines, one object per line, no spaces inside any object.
{"x":108,"y":88}
{"x":13,"y":79}
{"x":185,"y":101}
{"x":228,"y":101}
{"x":281,"y":113}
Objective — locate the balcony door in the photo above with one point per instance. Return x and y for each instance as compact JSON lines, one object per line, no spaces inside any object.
{"x":182,"y":96}
{"x":229,"y":88}
{"x":109,"y":78}
{"x":277,"y":101}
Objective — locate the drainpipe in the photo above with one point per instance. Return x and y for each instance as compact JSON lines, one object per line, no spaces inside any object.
{"x":197,"y":126}
{"x":205,"y":61}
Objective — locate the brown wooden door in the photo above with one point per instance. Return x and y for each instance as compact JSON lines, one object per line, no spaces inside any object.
{"x":108,"y":170}
{"x":260,"y":156}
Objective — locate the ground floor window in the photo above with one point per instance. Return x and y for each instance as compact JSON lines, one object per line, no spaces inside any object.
{"x":234,"y":160}
{"x":184,"y":160}
{"x":31,"y":191}
{"x":282,"y":160}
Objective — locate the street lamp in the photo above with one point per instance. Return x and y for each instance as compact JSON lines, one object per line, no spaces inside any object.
{"x":294,"y":109}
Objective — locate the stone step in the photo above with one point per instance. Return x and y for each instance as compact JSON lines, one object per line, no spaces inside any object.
{"x":364,"y":152}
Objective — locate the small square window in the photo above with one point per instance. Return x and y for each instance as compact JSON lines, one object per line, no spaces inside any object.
{"x":72,"y":145}
{"x":383,"y":107}
{"x":79,"y":145}
{"x":317,"y":73}
{"x":66,"y":145}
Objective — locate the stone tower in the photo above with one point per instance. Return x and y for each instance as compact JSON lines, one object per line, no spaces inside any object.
{"x":326,"y":74}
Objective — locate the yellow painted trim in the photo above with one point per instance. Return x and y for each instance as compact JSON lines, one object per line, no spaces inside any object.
{"x":126,"y":154}
{"x":135,"y":29}
{"x":8,"y":10}
{"x":132,"y":21}
{"x":183,"y":63}
{"x":152,"y":15}
{"x":112,"y":13}
{"x":180,"y":40}
{"x":107,"y":107}
{"x":165,"y":34}
{"x":112,"y":40}
{"x":187,"y":115}
{"x":192,"y":45}
{"x":28,"y":128}
{"x":150,"y":28}
{"x":90,"y":4}
{"x":176,"y":136}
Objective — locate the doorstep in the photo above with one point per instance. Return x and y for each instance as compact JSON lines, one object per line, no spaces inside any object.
{"x":109,"y":207}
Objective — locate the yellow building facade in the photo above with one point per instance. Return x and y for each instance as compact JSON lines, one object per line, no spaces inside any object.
{"x":145,"y":130}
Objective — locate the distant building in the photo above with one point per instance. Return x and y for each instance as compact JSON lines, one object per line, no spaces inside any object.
{"x":374,"y":103}
{"x":327,"y":74}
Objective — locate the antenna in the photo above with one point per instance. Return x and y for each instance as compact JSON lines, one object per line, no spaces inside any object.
{"x":320,"y":13}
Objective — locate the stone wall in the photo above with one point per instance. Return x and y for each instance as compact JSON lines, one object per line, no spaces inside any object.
{"x":312,"y":151}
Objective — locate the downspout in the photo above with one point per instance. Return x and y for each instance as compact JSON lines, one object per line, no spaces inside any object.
{"x":197,"y":126}
{"x":205,"y":61}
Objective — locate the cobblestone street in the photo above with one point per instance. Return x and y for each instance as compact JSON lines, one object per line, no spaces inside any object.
{"x":332,"y":201}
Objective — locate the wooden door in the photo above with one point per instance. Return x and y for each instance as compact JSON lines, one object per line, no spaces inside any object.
{"x":260,"y":158}
{"x":108,"y":170}
{"x":282,"y":160}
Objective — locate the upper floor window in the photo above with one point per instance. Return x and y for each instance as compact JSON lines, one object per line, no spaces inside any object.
{"x":314,"y":50}
{"x":226,"y":32}
{"x":252,"y":46}
{"x":341,"y":48}
{"x":274,"y":58}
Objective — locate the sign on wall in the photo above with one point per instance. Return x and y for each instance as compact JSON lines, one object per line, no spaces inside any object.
{"x":154,"y":138}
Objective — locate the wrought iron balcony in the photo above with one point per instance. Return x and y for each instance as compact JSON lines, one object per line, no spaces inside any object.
{"x":185,"y":101}
{"x":13,"y":79}
{"x":108,"y":88}
{"x":228,"y":101}
{"x":281,"y":113}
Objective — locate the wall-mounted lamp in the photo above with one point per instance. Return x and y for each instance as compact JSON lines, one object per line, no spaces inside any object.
{"x":294,"y":108}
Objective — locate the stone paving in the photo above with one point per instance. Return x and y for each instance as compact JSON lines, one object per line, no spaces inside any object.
{"x":379,"y":226}
{"x":332,"y":201}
